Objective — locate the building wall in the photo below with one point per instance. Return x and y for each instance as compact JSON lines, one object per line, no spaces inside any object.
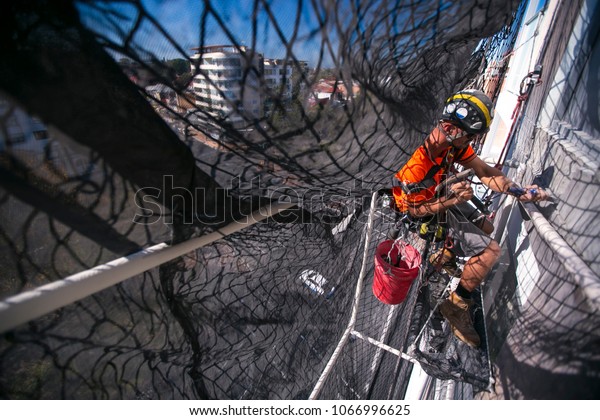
{"x":242,"y":86}
{"x":543,"y":302}
{"x":278,"y":78}
{"x":227,"y":85}
{"x":536,"y":23}
{"x":24,"y":137}
{"x":558,"y":143}
{"x":20,"y":131}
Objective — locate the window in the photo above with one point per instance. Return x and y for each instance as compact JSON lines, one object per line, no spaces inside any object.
{"x":232,"y":73}
{"x":234,"y":62}
{"x":40,"y":135}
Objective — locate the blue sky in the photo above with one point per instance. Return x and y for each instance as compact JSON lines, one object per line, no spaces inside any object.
{"x":181,"y":20}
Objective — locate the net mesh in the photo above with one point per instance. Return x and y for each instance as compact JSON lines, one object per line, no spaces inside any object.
{"x":119,"y":132}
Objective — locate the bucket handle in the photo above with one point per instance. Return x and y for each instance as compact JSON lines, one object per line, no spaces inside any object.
{"x":401,"y":254}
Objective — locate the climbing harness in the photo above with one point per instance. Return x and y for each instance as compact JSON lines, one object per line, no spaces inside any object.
{"x":428,"y":181}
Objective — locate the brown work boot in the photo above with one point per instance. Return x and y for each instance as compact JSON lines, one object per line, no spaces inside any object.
{"x":446,"y":260}
{"x":456,"y":310}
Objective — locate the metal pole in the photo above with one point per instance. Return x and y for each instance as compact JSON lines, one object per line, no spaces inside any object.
{"x":359,"y":286}
{"x":583,"y":274}
{"x":385,"y":347}
{"x":26,"y":306}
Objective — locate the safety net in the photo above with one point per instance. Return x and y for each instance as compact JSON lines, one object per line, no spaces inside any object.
{"x":127,"y":124}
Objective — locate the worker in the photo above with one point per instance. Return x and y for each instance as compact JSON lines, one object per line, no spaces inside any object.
{"x":467,"y":114}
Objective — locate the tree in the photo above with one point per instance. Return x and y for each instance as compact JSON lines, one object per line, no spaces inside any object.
{"x":180,"y":66}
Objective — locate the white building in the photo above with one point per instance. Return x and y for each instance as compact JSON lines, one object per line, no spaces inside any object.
{"x":20,"y":131}
{"x":278,"y":77}
{"x":226,"y":82}
{"x":27,"y":138}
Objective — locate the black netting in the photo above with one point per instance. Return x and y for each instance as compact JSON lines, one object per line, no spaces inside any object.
{"x":126,"y":124}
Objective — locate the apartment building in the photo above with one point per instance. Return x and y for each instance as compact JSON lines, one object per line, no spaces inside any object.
{"x":227,"y":82}
{"x":283,"y":81}
{"x":20,"y":131}
{"x":27,"y":138}
{"x":233,"y":83}
{"x":278,"y":77}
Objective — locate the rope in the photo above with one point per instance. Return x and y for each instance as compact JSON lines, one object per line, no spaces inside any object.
{"x":359,"y":287}
{"x":532,"y":79}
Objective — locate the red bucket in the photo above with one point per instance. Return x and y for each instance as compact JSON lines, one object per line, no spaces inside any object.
{"x":392,"y":282}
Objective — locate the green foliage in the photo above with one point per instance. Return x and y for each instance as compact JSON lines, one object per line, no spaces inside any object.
{"x":180,"y":65}
{"x":328,"y":74}
{"x":288,"y":116}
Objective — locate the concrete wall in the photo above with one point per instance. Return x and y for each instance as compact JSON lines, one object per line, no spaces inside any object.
{"x":543,"y":314}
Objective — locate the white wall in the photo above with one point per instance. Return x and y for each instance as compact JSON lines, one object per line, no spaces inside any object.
{"x":526,"y":53}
